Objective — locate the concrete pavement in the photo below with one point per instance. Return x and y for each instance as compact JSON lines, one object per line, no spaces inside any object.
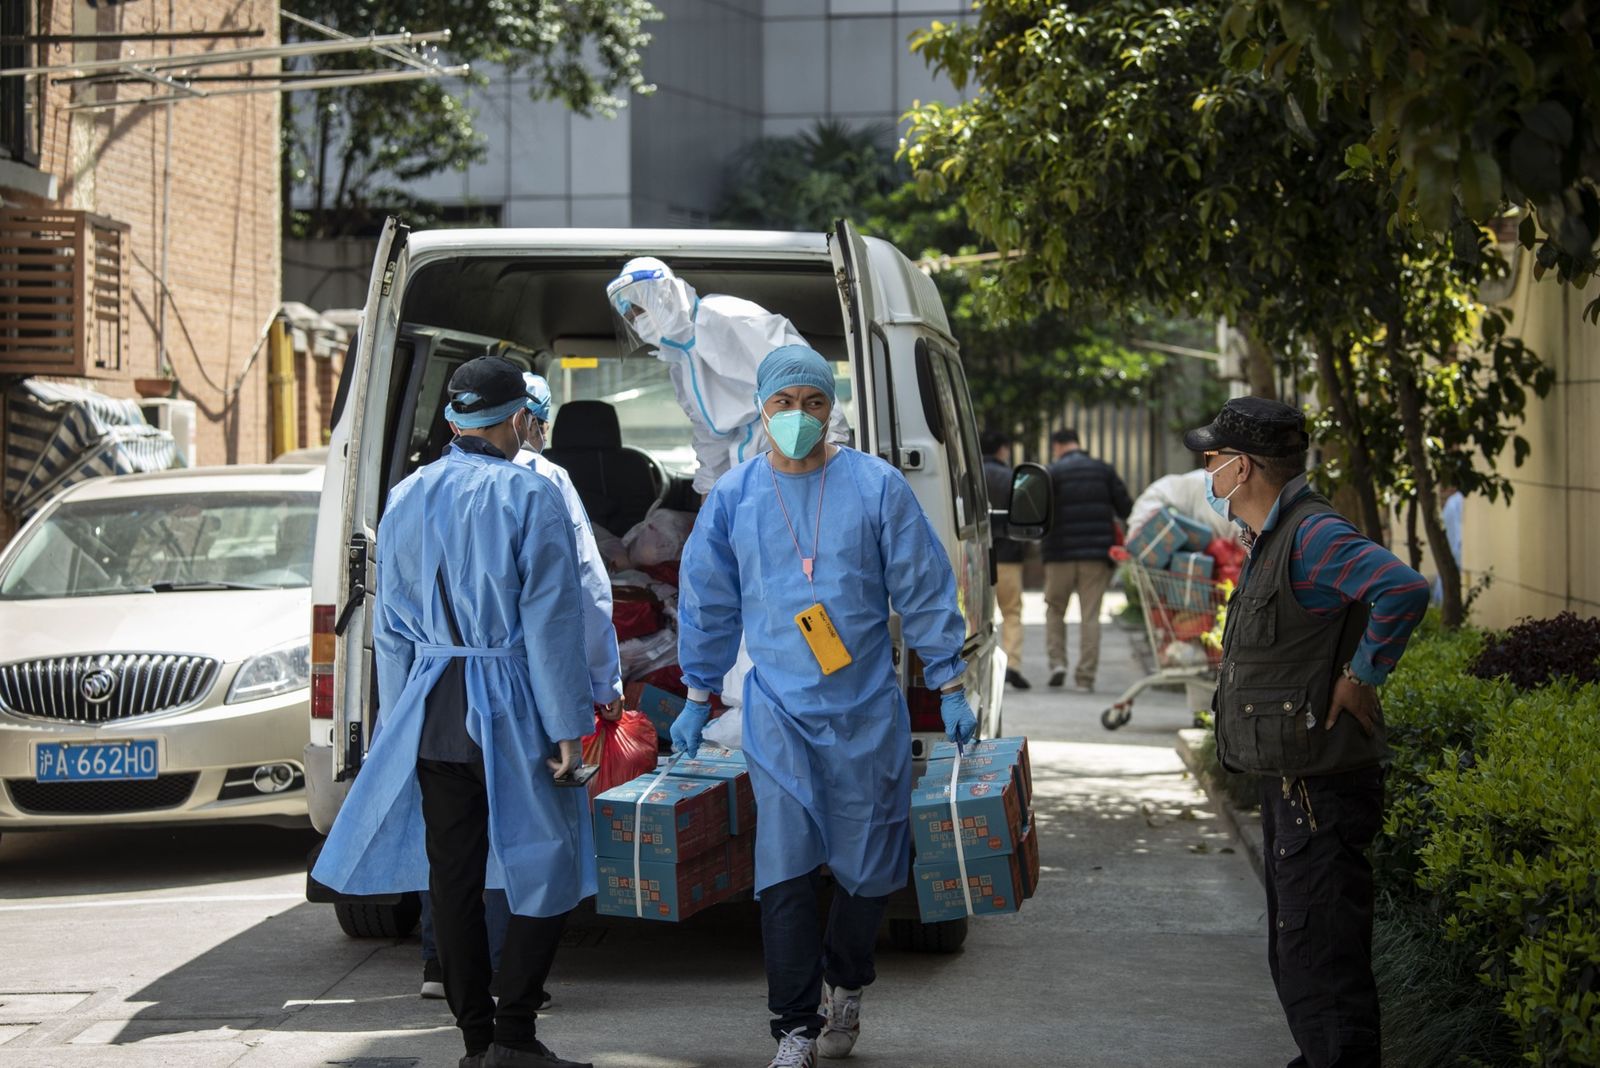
{"x":1144,"y":946}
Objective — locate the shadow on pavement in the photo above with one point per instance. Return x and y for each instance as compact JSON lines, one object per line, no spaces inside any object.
{"x":113,"y":860}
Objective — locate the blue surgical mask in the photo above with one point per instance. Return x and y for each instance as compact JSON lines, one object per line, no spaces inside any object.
{"x":1219,"y":505}
{"x":794,"y":433}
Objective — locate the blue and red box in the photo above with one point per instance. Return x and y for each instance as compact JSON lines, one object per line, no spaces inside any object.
{"x":1195,"y":588}
{"x":741,"y":797}
{"x":990,"y":754}
{"x":990,"y":816}
{"x":668,"y":892}
{"x":996,"y":885}
{"x":680,"y":818}
{"x":662,"y":708}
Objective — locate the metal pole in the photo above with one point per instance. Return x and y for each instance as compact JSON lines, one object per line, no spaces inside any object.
{"x":240,"y":55}
{"x":299,"y":85}
{"x":285,"y":424}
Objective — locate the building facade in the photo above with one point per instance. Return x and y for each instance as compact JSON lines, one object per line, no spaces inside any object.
{"x":163,"y":222}
{"x":726,"y":72}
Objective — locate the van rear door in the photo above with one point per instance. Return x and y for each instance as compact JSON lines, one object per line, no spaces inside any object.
{"x":360,"y":493}
{"x":867,"y":344}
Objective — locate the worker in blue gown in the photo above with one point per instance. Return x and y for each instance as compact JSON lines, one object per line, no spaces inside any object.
{"x":484,"y":695}
{"x":808,"y":526}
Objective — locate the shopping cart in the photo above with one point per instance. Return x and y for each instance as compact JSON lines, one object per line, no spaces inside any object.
{"x":1178,"y":611}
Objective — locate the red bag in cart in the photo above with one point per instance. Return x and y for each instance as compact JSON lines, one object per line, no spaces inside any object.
{"x":624,"y":750}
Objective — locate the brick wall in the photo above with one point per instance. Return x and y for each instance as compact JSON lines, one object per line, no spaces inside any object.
{"x":222,"y":225}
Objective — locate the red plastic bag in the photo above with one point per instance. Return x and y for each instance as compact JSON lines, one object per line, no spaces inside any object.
{"x":624,"y":749}
{"x":1229,"y":555}
{"x":665,"y":572}
{"x":634,"y":619}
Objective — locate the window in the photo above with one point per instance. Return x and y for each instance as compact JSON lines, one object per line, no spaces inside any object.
{"x":19,"y":96}
{"x":949,"y":414}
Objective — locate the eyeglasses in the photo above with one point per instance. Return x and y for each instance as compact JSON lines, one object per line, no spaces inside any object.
{"x":1214,"y":454}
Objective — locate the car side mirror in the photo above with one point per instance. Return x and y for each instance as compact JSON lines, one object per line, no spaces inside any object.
{"x":1033,"y":509}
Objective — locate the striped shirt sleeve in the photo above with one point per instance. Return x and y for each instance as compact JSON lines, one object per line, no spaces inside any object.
{"x":1333,"y":565}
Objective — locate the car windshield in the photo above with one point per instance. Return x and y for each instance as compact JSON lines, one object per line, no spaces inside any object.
{"x":170,"y":542}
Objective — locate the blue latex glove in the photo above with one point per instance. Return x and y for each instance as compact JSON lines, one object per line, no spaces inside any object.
{"x":959,"y":722}
{"x":687,"y":727}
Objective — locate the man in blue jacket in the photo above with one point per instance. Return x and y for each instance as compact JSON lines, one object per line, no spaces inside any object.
{"x":484,"y":696}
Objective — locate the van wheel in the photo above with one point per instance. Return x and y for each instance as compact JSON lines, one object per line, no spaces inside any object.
{"x":914,"y":936}
{"x":361,"y":919}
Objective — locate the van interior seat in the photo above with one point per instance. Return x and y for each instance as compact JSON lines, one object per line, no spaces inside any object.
{"x":618,"y":485}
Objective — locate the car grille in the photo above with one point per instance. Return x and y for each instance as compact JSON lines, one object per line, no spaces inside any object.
{"x":69,"y":798}
{"x":105,"y":687}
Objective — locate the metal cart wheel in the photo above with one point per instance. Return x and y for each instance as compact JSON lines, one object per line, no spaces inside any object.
{"x":1115,"y":716}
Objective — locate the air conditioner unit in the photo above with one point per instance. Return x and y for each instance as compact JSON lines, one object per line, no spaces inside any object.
{"x":178,"y":418}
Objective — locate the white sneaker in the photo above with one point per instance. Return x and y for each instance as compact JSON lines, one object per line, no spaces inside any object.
{"x":842,"y":1007}
{"x":795,"y":1051}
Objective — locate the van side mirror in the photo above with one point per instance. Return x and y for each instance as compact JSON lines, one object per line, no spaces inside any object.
{"x":1033,"y":510}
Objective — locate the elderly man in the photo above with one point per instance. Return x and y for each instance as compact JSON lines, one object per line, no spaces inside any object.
{"x":1320,"y":618}
{"x":485,"y":694}
{"x":802,"y":550}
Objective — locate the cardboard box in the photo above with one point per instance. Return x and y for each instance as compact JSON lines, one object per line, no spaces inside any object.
{"x":996,"y":884}
{"x":662,"y":708}
{"x":741,"y":797}
{"x":742,"y":864}
{"x":670,"y":892}
{"x":1197,"y":534}
{"x":988,"y":767}
{"x":1028,"y":859}
{"x":725,"y":756}
{"x":990,"y":815}
{"x":1004,"y":748}
{"x":1154,"y":543}
{"x":1192,"y":591}
{"x":681,"y":818}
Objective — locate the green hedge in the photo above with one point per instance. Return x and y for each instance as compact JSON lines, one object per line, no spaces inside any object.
{"x":1493,"y":835}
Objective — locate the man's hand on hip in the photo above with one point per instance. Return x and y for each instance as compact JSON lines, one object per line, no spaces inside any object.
{"x":1356,"y":698}
{"x":571,"y":758}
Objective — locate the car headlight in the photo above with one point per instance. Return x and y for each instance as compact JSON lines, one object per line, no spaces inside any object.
{"x":275,"y":671}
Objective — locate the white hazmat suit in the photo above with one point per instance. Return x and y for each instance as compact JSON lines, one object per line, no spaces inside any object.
{"x":712,"y":346}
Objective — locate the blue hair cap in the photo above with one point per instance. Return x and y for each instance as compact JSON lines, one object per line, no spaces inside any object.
{"x":484,"y":416}
{"x":793,"y":365}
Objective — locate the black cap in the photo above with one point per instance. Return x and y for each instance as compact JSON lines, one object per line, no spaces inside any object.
{"x":1255,"y":425}
{"x":486,"y":382}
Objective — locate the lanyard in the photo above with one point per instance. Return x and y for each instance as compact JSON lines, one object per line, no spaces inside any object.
{"x":807,"y":563}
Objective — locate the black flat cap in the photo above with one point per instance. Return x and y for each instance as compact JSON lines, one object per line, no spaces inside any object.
{"x":1254,"y":425}
{"x":485,"y":382}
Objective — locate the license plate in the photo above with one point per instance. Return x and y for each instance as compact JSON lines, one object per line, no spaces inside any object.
{"x":89,"y":761}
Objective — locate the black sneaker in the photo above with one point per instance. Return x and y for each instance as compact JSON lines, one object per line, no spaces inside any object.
{"x":539,"y":1057}
{"x":433,"y":981}
{"x":1015,"y":679}
{"x":472,"y":1060}
{"x":1058,"y":678}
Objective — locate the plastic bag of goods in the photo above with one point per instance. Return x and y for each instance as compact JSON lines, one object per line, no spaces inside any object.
{"x":624,"y":749}
{"x":658,"y":537}
{"x":612,"y":550}
{"x":641,"y":656}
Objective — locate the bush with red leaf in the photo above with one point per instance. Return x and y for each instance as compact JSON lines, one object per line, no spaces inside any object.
{"x":1536,"y":652}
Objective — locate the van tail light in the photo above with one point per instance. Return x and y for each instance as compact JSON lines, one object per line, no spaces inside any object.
{"x":924,"y":706}
{"x":322,"y":644}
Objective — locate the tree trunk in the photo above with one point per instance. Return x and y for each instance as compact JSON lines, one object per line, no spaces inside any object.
{"x":1259,"y":370}
{"x":1413,"y":542}
{"x":1409,"y":395}
{"x":1341,"y":399}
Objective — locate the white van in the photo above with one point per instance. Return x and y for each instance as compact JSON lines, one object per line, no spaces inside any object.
{"x":439,"y":298}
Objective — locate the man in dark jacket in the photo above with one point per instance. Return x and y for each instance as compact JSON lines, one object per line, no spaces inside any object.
{"x":1090,"y":498}
{"x":1007,"y":555}
{"x":1320,"y":618}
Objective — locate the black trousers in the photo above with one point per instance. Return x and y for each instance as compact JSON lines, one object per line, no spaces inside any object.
{"x":455,"y":810}
{"x":800,"y":955}
{"x":1319,"y":913}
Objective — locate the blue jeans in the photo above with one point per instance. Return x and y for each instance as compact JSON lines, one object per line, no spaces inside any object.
{"x":800,"y":955}
{"x":496,"y":915}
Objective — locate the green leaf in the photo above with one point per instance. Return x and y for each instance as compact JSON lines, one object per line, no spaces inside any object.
{"x":1358,"y":157}
{"x":1520,"y":62}
{"x":1550,"y":121}
{"x":1527,"y":231}
{"x":1480,"y":184}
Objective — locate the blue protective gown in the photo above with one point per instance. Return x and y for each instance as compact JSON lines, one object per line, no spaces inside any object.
{"x":504,"y":540}
{"x":829,"y":755}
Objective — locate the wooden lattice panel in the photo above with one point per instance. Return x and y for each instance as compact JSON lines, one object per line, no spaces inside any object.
{"x":63,"y":293}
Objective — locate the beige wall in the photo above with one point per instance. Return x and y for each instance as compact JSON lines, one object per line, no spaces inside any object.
{"x":223,"y":223}
{"x":1542,"y":548}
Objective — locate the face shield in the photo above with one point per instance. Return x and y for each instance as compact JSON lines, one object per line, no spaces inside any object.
{"x":652,"y":308}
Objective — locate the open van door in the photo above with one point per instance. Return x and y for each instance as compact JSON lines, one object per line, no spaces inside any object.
{"x":867,"y":344}
{"x":360,"y":491}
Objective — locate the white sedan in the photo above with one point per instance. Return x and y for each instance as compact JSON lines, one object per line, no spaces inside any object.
{"x":154,"y":651}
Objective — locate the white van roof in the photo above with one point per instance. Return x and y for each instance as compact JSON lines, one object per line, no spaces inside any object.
{"x":905,"y":294}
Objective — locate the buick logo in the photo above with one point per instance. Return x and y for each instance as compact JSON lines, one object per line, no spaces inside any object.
{"x":96,"y":686}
